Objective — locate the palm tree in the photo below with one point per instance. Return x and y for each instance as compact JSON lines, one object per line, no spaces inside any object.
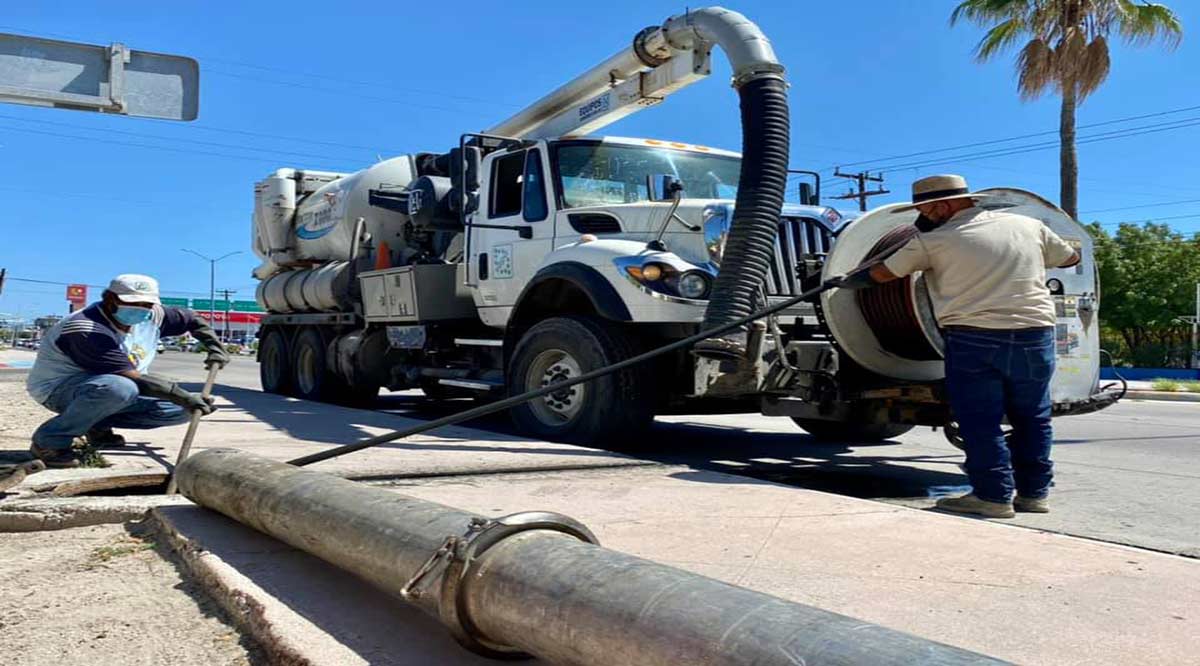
{"x":1066,"y":51}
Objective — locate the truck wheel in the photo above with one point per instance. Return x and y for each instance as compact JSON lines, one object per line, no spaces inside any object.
{"x":616,"y":405}
{"x":273,"y":371}
{"x":310,"y":378}
{"x":835,"y":431}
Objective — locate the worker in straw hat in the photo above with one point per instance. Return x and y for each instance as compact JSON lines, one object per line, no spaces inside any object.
{"x":986,"y":272}
{"x":92,"y":371}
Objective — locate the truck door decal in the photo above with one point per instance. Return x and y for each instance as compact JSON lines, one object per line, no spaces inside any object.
{"x":502,"y":261}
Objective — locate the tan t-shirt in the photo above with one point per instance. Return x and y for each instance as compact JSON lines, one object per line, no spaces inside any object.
{"x":986,"y":268}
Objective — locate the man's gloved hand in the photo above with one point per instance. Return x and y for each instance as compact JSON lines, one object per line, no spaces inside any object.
{"x":207,"y":337}
{"x":156,"y":386}
{"x":198,"y":403}
{"x":218,"y":356}
{"x":857,"y":279}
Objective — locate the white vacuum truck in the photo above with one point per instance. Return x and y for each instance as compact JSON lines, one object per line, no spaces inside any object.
{"x":534,"y":252}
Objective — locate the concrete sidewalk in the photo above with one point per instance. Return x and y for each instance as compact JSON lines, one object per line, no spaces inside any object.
{"x":1013,"y":593}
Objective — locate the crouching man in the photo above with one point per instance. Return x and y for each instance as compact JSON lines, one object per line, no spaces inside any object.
{"x":92,"y":371}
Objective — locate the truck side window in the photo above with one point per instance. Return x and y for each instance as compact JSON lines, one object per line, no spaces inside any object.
{"x":506,"y":184}
{"x":535,"y":188}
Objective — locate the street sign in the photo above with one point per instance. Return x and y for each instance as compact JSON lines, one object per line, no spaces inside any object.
{"x":246,"y":306}
{"x":174,"y":302}
{"x":206,"y":305}
{"x":77,"y":294}
{"x":107,"y":79}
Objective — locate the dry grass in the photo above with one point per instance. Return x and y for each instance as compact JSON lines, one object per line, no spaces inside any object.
{"x":1169,"y":385}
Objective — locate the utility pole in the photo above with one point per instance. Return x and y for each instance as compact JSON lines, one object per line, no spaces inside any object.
{"x":212,"y":280}
{"x":225,"y":295}
{"x":1196,"y":331}
{"x":861,"y":179}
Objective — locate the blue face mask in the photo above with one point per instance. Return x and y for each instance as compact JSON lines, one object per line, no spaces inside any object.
{"x":128,"y":315}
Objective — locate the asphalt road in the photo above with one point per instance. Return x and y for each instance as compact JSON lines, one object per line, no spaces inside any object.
{"x":1125,"y":475}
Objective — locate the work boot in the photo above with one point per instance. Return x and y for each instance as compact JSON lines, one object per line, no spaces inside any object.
{"x":973,"y":505}
{"x":56,"y":458}
{"x":104,"y":439}
{"x":1031,"y":504}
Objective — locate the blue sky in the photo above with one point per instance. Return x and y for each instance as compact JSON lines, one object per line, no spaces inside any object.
{"x":325,"y":85}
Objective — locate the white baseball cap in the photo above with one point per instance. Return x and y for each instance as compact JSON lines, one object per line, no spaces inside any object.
{"x":134,"y":288}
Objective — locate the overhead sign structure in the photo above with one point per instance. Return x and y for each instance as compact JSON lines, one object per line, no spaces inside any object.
{"x":107,"y":79}
{"x":77,"y":294}
{"x":174,"y":302}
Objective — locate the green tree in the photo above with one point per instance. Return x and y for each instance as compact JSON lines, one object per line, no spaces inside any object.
{"x":1066,"y":50}
{"x":1148,"y":279}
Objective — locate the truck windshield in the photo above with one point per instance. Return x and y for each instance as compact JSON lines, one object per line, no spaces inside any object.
{"x":592,"y":173}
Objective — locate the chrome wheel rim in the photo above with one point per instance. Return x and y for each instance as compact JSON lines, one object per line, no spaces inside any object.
{"x":561,"y":407}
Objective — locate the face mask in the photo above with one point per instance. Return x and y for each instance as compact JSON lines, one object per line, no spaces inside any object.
{"x":925,"y":224}
{"x":130,"y":316}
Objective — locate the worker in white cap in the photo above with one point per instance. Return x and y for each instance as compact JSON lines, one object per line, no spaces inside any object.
{"x":92,"y":370}
{"x":986,"y":272}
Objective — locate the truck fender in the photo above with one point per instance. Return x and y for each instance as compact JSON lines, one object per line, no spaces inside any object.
{"x":601,"y":295}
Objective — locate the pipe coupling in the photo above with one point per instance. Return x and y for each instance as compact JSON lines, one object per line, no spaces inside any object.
{"x":459,"y":555}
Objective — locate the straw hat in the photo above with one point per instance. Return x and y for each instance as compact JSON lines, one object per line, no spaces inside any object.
{"x":939,"y":188}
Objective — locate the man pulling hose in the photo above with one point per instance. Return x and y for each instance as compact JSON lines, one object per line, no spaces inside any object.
{"x":986,"y":272}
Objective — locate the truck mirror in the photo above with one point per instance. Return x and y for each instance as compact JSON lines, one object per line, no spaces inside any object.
{"x":807,"y":197}
{"x":663,"y":187}
{"x":472,"y":156}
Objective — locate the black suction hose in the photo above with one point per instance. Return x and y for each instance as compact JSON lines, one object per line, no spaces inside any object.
{"x":751,"y":243}
{"x":500,"y":405}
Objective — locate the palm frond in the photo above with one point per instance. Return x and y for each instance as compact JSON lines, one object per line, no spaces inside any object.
{"x":1036,"y":71}
{"x":1093,"y":70}
{"x":987,"y":11}
{"x":999,"y":38}
{"x":1144,"y":23}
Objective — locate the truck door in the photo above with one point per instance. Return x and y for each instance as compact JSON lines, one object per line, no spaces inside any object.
{"x":511,"y":232}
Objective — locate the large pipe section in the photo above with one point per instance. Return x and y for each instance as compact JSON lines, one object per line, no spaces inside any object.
{"x":533,"y":583}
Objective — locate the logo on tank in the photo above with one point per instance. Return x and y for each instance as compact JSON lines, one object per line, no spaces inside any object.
{"x":316,"y":223}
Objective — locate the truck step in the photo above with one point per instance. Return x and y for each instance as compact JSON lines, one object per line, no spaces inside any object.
{"x":473,"y":384}
{"x":478,"y":342}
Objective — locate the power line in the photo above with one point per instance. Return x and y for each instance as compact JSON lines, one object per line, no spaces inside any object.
{"x":108,"y":130}
{"x":1018,"y":137}
{"x":374,"y":98}
{"x":289,"y":72}
{"x":94,"y":286}
{"x":1029,"y":148}
{"x":1149,"y":205}
{"x":155,"y":147}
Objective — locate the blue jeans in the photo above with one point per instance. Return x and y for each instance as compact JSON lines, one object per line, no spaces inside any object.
{"x":993,"y":374}
{"x":91,"y":402}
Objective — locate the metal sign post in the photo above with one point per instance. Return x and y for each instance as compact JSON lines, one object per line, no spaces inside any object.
{"x":105,"y":79}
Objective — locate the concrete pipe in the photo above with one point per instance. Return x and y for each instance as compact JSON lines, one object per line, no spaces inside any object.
{"x":533,"y":583}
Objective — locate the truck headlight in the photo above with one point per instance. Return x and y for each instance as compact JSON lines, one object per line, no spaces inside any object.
{"x":693,"y":284}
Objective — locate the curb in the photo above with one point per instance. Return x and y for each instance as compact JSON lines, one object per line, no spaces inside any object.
{"x":1165,"y":396}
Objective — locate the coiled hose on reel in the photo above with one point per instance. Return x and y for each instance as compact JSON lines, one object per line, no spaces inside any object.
{"x":890,"y":309}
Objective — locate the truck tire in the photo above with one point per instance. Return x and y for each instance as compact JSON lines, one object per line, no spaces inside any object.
{"x":310,"y":378}
{"x":274,"y":372}
{"x":835,"y":431}
{"x":598,"y":412}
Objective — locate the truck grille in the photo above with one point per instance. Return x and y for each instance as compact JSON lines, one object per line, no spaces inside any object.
{"x":798,"y":236}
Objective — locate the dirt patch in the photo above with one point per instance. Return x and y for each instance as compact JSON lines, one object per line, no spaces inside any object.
{"x":106,"y":595}
{"x":19,"y":417}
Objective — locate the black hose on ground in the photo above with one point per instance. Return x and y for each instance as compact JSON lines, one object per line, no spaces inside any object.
{"x":750,"y":247}
{"x":484,"y":410}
